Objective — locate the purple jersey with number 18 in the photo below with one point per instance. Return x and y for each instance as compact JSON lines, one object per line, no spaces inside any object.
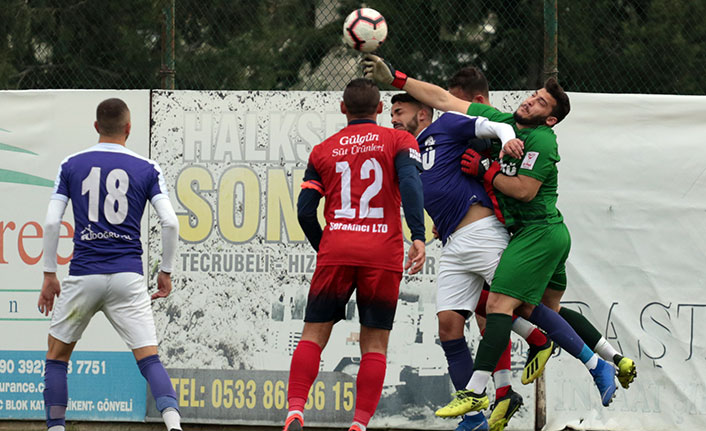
{"x":109,"y":187}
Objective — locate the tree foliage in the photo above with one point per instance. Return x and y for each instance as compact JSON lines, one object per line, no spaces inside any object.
{"x":654,"y":46}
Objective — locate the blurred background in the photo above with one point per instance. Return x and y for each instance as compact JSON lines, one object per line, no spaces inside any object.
{"x":608,"y":46}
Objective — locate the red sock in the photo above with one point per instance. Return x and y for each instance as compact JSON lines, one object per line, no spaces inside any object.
{"x":482,"y":302}
{"x":537,"y":338}
{"x":504,"y":363}
{"x":368,"y":385}
{"x":302,"y":373}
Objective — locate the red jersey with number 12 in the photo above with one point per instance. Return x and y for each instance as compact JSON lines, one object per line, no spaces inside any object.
{"x":355,"y":171}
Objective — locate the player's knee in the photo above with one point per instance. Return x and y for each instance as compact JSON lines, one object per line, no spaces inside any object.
{"x":451,"y":325}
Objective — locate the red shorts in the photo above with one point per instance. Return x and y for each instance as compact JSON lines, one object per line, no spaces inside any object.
{"x":376,"y":294}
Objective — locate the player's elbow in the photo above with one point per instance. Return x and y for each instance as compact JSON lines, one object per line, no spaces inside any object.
{"x":526,"y":195}
{"x":52,"y":224}
{"x":170,"y":222}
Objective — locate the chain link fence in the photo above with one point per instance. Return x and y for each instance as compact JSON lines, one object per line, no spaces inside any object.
{"x":627,"y":46}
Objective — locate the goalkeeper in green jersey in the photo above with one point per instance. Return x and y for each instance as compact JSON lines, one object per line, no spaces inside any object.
{"x":531,"y":276}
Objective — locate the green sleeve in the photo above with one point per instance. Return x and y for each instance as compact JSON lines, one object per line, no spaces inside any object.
{"x":481,"y":110}
{"x":541,"y":155}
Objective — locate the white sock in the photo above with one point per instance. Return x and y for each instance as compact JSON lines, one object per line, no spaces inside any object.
{"x":473,"y":413}
{"x":172,"y":418}
{"x":295,"y":412}
{"x":522,"y":327}
{"x":360,"y":425}
{"x":502,"y":378}
{"x":57,"y":428}
{"x":479,"y":381}
{"x":604,"y":348}
{"x":592,"y":363}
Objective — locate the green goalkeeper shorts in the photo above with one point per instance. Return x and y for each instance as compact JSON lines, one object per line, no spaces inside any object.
{"x":534,"y":260}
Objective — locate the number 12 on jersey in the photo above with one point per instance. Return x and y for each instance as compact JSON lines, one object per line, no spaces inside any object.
{"x":347,"y":211}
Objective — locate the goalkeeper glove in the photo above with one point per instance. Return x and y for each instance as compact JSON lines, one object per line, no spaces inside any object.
{"x":477,"y":166}
{"x":380,"y":70}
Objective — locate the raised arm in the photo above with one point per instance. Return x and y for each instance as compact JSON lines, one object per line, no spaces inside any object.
{"x":379,"y":70}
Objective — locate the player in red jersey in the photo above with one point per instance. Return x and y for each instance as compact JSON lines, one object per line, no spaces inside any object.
{"x":364,"y":171}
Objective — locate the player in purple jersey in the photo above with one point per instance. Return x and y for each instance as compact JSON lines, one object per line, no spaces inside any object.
{"x":108,"y":186}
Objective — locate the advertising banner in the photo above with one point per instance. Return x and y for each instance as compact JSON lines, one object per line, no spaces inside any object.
{"x":632,"y":192}
{"x":38,"y":129}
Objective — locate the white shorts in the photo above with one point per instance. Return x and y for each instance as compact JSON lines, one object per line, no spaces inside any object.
{"x":122,"y":297}
{"x":468,"y":259}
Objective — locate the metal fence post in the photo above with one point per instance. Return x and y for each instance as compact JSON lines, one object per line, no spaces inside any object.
{"x":167,"y":71}
{"x":551,"y":19}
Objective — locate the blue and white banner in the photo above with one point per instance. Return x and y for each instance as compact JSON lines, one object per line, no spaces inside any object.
{"x":104,"y":386}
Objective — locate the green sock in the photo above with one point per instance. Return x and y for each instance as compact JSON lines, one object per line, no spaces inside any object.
{"x":494,"y":342}
{"x":588,"y":333}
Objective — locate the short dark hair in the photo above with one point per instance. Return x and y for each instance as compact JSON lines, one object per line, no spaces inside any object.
{"x":112,"y":116}
{"x":408,"y":98}
{"x":471,"y":81}
{"x":563,"y":106}
{"x":361,"y":97}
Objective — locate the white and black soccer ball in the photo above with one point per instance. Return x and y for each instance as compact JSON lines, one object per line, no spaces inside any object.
{"x":364,"y":29}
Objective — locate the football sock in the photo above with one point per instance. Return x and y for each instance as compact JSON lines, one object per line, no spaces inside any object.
{"x":501,"y":375}
{"x":56,"y":392}
{"x":494,"y":342}
{"x":160,"y":384}
{"x":522,"y":327}
{"x":302,"y":373}
{"x":589,"y":359}
{"x":482,"y":302}
{"x":588,"y":333}
{"x":557,"y":329}
{"x":607,"y":351}
{"x":491,"y":348}
{"x":172,"y":418}
{"x":536,"y":337}
{"x":458,"y":356}
{"x":368,"y":384}
{"x":295,"y":412}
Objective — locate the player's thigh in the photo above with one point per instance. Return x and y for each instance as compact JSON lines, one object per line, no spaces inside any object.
{"x":457,"y":289}
{"x":476,"y":248}
{"x":80,"y":298}
{"x":377,"y":291}
{"x":531,"y":260}
{"x":331,"y":288}
{"x":128,"y":308}
{"x":557,"y":284}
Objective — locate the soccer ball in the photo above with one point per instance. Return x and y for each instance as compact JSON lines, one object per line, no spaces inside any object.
{"x":364,"y":29}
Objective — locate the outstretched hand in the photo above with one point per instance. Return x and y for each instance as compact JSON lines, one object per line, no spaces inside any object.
{"x":164,"y":285}
{"x":380,"y":70}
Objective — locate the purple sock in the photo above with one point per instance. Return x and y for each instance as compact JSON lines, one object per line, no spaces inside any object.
{"x":56,"y":392}
{"x":160,"y":385}
{"x":558,"y":329}
{"x":460,"y":361}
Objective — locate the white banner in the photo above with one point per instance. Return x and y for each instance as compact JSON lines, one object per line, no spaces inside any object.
{"x":38,"y":129}
{"x":631,"y":189}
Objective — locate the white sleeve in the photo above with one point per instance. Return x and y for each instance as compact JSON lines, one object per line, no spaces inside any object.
{"x":170,"y":232}
{"x":490,"y":129}
{"x":52,"y":225}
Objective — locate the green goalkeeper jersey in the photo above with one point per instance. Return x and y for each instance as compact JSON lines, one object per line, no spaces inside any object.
{"x":539,"y":162}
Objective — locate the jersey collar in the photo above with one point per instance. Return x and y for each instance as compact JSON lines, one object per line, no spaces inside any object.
{"x":361,"y":121}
